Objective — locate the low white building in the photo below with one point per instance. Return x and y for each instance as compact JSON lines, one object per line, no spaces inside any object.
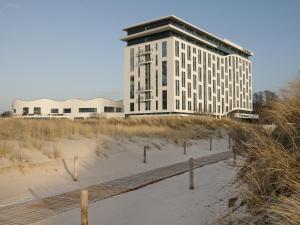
{"x":71,"y":109}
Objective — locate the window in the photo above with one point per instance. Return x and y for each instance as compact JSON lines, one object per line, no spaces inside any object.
{"x":90,"y":110}
{"x":182,"y":60}
{"x":54,"y":111}
{"x":199,"y":74}
{"x":131,"y":107}
{"x":176,"y":48}
{"x":189,"y":105}
{"x":109,"y":109}
{"x":182,"y":46}
{"x":195,"y":102}
{"x":67,"y":110}
{"x":177,"y":87}
{"x":183,"y":79}
{"x":25,"y":111}
{"x":132,"y":87}
{"x":132,"y":59}
{"x":200,"y":91}
{"x":209,"y":60}
{"x":189,"y":71}
{"x":194,"y":82}
{"x":164,"y":49}
{"x":156,"y":83}
{"x":183,"y":100}
{"x":118,"y":109}
{"x":156,"y":60}
{"x":199,"y":57}
{"x":164,"y":73}
{"x":177,"y":104}
{"x":189,"y":90}
{"x":156,"y":105}
{"x":164,"y":99}
{"x":194,"y":64}
{"x":37,"y":110}
{"x":188,"y":52}
{"x":176,"y":67}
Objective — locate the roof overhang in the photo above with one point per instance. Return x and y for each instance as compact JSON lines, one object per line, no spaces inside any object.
{"x":168,"y":27}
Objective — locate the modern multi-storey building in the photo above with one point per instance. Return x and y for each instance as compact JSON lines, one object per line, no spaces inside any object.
{"x":174,"y":67}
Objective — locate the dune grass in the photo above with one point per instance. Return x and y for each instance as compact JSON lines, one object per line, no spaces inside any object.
{"x":269,"y":178}
{"x":35,"y":134}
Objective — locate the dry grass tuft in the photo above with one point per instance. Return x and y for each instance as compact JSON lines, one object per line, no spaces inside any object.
{"x":36,"y":134}
{"x":270,"y":176}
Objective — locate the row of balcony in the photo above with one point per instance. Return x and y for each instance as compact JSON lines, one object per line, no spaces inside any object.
{"x":144,"y":90}
{"x":145,"y":99}
{"x":144,"y":52}
{"x":144,"y":61}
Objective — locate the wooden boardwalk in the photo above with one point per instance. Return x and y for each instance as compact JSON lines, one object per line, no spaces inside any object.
{"x":34,"y":211}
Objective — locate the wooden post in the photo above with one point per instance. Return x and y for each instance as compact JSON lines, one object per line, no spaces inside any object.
{"x":145,"y":154}
{"x":184,"y":148}
{"x":210,"y":143}
{"x":191,"y":173}
{"x":229,"y":141}
{"x":234,"y":154}
{"x":76,"y":175}
{"x":84,"y":207}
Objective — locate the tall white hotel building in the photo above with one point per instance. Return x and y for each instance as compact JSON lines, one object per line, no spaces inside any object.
{"x":174,"y":67}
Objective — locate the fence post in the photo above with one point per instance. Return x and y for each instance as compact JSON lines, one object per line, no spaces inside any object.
{"x":234,"y":154}
{"x":84,"y":207}
{"x":184,"y":148}
{"x":191,"y":173}
{"x":76,"y":175}
{"x":210,"y":143}
{"x":145,"y":154}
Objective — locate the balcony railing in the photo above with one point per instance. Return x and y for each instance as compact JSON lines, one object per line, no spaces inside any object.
{"x":144,"y":52}
{"x":142,"y":90}
{"x":144,"y":61}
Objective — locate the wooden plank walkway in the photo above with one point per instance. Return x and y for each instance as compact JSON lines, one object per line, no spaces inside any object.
{"x":34,"y":211}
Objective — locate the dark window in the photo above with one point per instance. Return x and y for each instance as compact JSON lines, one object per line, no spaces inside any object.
{"x":164,"y":49}
{"x":118,"y":109}
{"x":132,"y":87}
{"x":37,"y":110}
{"x":67,"y":110}
{"x":131,"y":107}
{"x":164,"y":99}
{"x":25,"y":111}
{"x":109,"y":109}
{"x":54,"y":110}
{"x":131,"y":59}
{"x":87,"y":110}
{"x":164,"y":73}
{"x":177,"y":67}
{"x":177,"y":48}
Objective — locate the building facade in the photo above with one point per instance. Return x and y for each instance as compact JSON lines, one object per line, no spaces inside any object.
{"x":71,"y":109}
{"x":173,"y":67}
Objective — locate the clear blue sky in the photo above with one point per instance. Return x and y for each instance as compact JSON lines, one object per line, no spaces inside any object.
{"x":71,"y":49}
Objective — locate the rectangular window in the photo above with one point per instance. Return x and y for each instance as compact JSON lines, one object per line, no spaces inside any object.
{"x":189,"y":105}
{"x":131,"y":59}
{"x":189,"y":90}
{"x":164,"y":73}
{"x":156,"y":83}
{"x":164,"y":49}
{"x":195,"y":102}
{"x":183,"y":79}
{"x":176,"y":48}
{"x":194,"y":82}
{"x":131,"y":87}
{"x":37,"y":110}
{"x":199,"y":57}
{"x":177,"y":104}
{"x":194,"y":64}
{"x":182,"y":60}
{"x":164,"y":100}
{"x":188,"y":52}
{"x":109,"y":109}
{"x":183,"y":100}
{"x":91,"y":110}
{"x":131,"y":107}
{"x":118,"y":109}
{"x":156,"y":105}
{"x":199,"y":74}
{"x":25,"y":111}
{"x":67,"y":110}
{"x":176,"y":67}
{"x":54,"y":111}
{"x":200,"y":91}
{"x":177,"y":87}
{"x":189,"y":71}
